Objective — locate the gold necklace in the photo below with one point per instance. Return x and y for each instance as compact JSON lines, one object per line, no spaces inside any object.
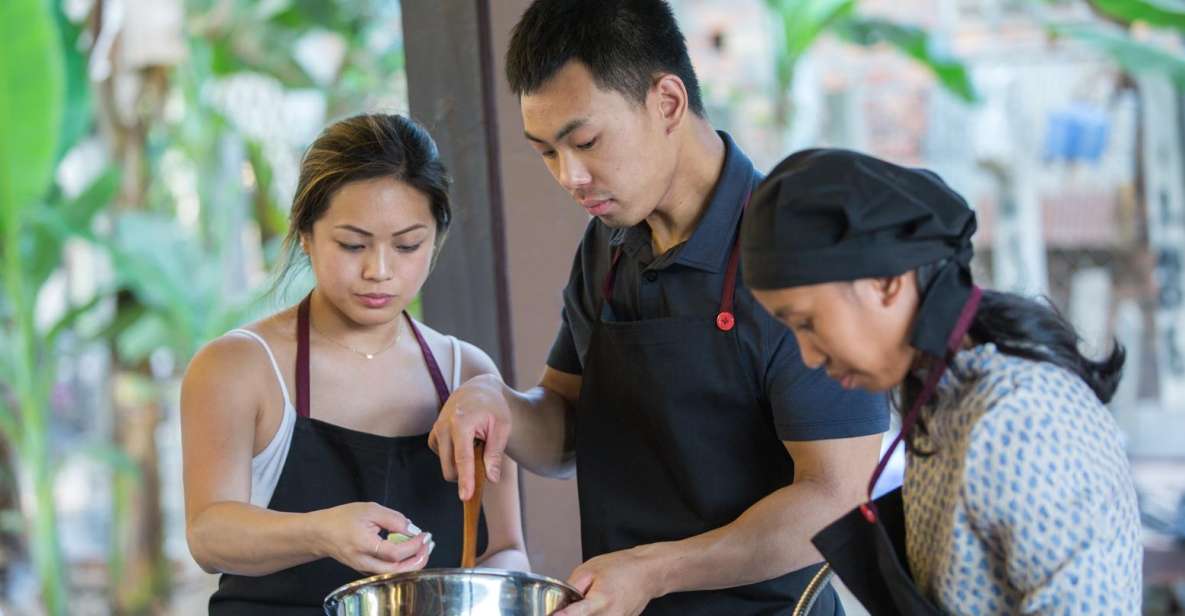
{"x":398,"y":335}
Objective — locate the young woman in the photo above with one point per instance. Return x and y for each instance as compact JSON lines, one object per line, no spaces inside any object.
{"x":1017,"y":496}
{"x":305,"y":434}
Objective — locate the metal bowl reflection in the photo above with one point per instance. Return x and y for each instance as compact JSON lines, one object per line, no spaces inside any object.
{"x":451,"y":592}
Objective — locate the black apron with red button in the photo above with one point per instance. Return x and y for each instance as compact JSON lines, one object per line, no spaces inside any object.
{"x":673,"y":440}
{"x":866,"y":547}
{"x":329,"y":465}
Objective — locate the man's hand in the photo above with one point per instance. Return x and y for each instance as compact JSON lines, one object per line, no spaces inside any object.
{"x":477,"y":409}
{"x":615,"y":584}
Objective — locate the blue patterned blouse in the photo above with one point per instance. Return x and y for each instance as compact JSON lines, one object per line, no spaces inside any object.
{"x":1026,"y":505}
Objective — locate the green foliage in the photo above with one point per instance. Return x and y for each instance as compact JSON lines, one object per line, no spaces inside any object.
{"x":915,"y":43}
{"x":32,"y":91}
{"x":804,"y":21}
{"x":55,"y":222}
{"x":32,"y":86}
{"x":1134,"y":56}
{"x":77,"y":117}
{"x":178,"y":284}
{"x":1163,"y":13}
{"x":169,"y":285}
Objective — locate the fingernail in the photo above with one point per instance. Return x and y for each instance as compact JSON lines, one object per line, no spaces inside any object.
{"x":427,"y":537}
{"x":495,"y":473}
{"x":412,"y":529}
{"x":431,"y":546}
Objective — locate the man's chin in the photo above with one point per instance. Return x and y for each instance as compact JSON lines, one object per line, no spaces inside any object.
{"x":617,"y":220}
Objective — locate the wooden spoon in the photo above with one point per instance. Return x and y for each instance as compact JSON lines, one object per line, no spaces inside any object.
{"x":473,"y":507}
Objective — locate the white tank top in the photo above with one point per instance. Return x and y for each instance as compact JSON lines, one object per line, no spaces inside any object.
{"x":267,"y":465}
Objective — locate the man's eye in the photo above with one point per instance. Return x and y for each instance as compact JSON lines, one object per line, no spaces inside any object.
{"x":587,"y":145}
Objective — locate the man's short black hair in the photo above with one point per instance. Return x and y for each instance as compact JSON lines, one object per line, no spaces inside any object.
{"x":624,"y":43}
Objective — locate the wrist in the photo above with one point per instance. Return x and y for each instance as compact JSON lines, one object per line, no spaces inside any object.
{"x":659,"y":564}
{"x":308,"y":526}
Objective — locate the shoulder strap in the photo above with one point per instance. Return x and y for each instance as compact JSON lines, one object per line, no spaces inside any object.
{"x":271,"y":357}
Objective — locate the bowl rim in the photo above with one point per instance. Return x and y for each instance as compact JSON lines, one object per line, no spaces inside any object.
{"x":333,"y":598}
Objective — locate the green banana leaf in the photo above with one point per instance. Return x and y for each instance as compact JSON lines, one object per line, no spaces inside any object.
{"x":77,"y":113}
{"x":915,"y":43}
{"x":32,"y":87}
{"x":1134,"y":56}
{"x":803,"y":21}
{"x":179,"y":284}
{"x":50,"y":225}
{"x":1162,"y":13}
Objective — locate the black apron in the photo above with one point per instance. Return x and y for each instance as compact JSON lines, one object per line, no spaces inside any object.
{"x":674,"y":439}
{"x":329,"y":465}
{"x":866,"y":547}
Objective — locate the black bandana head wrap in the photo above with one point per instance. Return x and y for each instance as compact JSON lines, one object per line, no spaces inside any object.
{"x":834,"y":215}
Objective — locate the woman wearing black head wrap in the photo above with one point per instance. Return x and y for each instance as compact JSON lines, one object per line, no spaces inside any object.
{"x":1017,"y":496}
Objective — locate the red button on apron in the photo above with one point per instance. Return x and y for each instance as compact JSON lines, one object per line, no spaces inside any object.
{"x":869,"y":513}
{"x":725,"y":321}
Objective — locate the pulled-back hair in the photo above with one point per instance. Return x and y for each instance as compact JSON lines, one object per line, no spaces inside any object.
{"x":1030,"y":329}
{"x":363,"y":147}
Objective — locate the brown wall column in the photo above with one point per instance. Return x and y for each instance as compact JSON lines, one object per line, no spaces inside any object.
{"x":543,"y":228}
{"x":499,"y":279}
{"x":449,"y":76}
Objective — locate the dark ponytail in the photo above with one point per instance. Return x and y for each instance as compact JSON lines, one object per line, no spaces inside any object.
{"x":1026,"y":328}
{"x":1037,"y":331}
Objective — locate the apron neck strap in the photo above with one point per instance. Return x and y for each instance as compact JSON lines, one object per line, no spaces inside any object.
{"x":934,"y":372}
{"x":442,"y":391}
{"x":610,"y":276}
{"x":302,"y":359}
{"x":725,"y":318}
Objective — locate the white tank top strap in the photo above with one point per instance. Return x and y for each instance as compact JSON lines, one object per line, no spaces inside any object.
{"x":267,"y":465}
{"x":456,"y":344}
{"x":271,"y":357}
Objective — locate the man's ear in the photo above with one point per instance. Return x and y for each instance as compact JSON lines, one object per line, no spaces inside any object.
{"x":670,"y":94}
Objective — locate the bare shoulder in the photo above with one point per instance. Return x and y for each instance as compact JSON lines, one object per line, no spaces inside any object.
{"x":474,"y":361}
{"x":229,"y":364}
{"x":237,"y":366}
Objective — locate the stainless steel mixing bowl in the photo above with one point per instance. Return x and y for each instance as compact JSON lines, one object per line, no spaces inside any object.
{"x":451,"y":592}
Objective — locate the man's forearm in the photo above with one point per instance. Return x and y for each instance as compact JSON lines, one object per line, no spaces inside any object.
{"x":770,"y":539}
{"x":541,"y":437}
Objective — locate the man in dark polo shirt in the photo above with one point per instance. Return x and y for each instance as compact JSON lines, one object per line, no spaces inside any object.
{"x":707,"y":453}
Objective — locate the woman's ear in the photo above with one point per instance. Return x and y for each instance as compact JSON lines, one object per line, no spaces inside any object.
{"x":891,"y":289}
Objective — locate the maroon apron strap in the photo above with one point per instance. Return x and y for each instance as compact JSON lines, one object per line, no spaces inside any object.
{"x":936,"y":369}
{"x":302,"y":357}
{"x":442,"y":390}
{"x":610,"y":276}
{"x":725,"y":319}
